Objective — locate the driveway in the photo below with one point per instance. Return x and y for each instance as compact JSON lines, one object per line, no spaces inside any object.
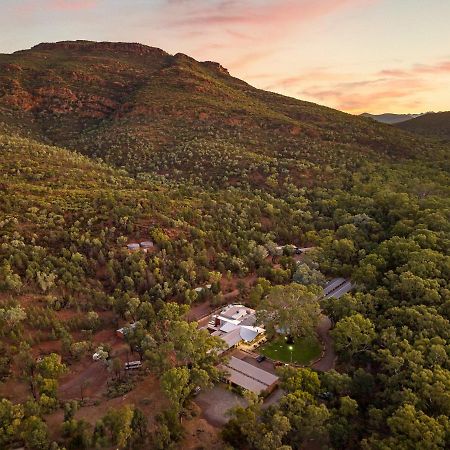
{"x":266,"y":365}
{"x":273,"y":398}
{"x":329,"y":358}
{"x":215,"y":402}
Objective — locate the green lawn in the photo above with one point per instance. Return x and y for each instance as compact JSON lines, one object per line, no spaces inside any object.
{"x":304,"y":350}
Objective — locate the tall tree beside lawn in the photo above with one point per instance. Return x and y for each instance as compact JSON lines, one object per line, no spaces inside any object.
{"x":292,"y":310}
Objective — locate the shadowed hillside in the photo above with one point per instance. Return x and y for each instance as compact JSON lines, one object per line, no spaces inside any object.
{"x":431,"y":124}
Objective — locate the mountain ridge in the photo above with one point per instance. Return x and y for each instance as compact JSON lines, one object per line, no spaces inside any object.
{"x":430,"y":124}
{"x":140,"y":108}
{"x":391,"y":118}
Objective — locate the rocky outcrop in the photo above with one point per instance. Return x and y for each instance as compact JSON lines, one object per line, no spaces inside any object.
{"x":89,"y":46}
{"x":216,"y":67}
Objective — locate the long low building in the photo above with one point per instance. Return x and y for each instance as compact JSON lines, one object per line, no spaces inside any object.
{"x":249,"y":377}
{"x":337,"y":288}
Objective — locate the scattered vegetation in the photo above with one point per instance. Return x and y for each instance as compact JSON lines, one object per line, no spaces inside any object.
{"x":218,"y":175}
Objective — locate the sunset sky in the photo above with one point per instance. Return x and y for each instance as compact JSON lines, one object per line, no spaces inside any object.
{"x":354,"y":55}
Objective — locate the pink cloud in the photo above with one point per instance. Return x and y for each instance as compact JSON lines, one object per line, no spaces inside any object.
{"x":394,"y":73}
{"x":32,"y":6}
{"x":247,"y":59}
{"x":72,"y":5}
{"x":408,"y":87}
{"x":271,"y":14}
{"x":357,"y":96}
{"x":441,"y":67}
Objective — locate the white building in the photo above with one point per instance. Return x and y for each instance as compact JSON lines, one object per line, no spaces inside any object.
{"x":235,"y":324}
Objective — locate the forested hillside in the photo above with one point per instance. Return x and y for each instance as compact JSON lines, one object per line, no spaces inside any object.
{"x":106,"y":144}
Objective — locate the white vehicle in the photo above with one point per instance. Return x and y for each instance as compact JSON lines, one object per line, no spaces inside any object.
{"x":133,"y":365}
{"x":96,"y":356}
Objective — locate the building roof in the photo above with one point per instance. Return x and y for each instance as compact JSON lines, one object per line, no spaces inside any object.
{"x":236,"y":312}
{"x":232,"y":338}
{"x":228,"y":326}
{"x":251,"y":371}
{"x":126,"y":328}
{"x":341,"y":290}
{"x":227,"y":319}
{"x":332,"y":285}
{"x":132,"y":246}
{"x":249,"y":320}
{"x":244,"y":381}
{"x":337,"y":288}
{"x":249,"y":333}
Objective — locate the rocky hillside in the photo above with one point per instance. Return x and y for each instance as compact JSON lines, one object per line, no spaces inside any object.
{"x":140,"y":108}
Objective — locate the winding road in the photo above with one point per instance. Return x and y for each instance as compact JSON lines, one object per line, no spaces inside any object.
{"x":328,"y":360}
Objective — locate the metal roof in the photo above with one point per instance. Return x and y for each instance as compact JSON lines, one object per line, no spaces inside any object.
{"x":242,"y":380}
{"x":251,"y":371}
{"x":249,"y":333}
{"x":332,"y":285}
{"x":228,"y":326}
{"x":226,"y":319}
{"x":236,"y":311}
{"x":232,"y":338}
{"x":341,"y":290}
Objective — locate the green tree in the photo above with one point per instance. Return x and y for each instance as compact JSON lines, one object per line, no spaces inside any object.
{"x":118,"y":422}
{"x":77,"y":434}
{"x":175,"y":384}
{"x":9,"y":281}
{"x":11,"y":417}
{"x":293,"y":310}
{"x":353,"y":334}
{"x":34,"y":432}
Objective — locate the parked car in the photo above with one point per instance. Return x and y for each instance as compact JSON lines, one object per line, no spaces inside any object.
{"x":260,"y":358}
{"x":325,"y":395}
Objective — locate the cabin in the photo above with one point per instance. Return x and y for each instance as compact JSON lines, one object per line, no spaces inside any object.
{"x":133,"y":247}
{"x":201,"y":289}
{"x":121,"y":332}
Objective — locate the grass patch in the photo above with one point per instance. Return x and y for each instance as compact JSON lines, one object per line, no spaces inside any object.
{"x":304,"y":350}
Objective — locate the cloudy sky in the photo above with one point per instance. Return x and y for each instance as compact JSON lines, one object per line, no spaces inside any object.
{"x":354,"y":55}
